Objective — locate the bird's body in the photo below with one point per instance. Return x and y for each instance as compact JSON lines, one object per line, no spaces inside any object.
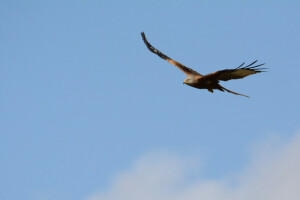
{"x":209,"y":81}
{"x":201,"y":83}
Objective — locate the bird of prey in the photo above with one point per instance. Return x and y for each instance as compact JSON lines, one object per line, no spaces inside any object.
{"x":209,"y":81}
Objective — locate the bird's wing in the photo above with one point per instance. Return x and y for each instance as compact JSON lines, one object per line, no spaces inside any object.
{"x":239,"y":72}
{"x":180,"y":66}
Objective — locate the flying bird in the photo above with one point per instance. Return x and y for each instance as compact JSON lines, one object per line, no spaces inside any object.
{"x":209,"y":81}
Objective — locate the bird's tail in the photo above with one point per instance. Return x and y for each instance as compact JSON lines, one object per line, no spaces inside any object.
{"x":233,"y":92}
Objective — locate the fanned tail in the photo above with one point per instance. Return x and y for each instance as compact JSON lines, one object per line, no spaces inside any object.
{"x":233,"y":92}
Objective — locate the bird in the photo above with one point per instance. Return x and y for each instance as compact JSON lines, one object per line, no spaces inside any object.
{"x":209,"y":81}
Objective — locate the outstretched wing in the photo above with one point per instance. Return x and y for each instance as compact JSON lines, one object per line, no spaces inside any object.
{"x":180,"y":66}
{"x":239,"y":72}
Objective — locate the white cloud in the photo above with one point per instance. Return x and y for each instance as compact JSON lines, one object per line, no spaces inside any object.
{"x":271,"y":175}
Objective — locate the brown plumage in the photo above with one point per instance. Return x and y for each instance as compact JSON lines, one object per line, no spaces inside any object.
{"x":209,"y":81}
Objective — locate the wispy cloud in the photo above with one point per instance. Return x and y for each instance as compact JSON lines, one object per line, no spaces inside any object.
{"x":271,"y":175}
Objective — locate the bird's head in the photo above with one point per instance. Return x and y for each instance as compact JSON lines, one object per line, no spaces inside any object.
{"x":187,"y":81}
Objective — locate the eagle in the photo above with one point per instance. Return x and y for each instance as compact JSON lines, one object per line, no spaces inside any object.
{"x":209,"y":81}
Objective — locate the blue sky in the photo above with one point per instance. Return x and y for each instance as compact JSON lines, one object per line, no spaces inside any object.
{"x":82,"y":98}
